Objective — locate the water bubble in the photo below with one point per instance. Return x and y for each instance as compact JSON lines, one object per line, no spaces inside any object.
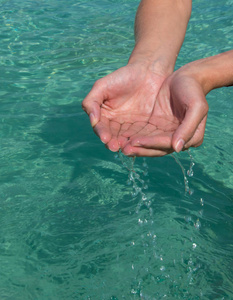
{"x":202,"y":202}
{"x":162,"y":268}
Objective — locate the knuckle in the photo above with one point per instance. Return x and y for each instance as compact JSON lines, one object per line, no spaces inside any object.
{"x":97,"y":84}
{"x":83,"y":106}
{"x":199,"y":143}
{"x":194,"y":143}
{"x":204,"y":107}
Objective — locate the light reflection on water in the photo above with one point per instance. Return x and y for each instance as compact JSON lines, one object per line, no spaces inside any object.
{"x":75,"y":223}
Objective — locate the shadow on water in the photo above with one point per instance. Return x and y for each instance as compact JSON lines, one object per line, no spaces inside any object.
{"x":96,"y":177}
{"x":69,"y":129}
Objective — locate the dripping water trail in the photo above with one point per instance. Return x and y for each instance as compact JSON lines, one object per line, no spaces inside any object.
{"x":190,"y":172}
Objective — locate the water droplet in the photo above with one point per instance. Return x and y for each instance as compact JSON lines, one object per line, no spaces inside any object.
{"x":148,"y":204}
{"x":151,"y":213}
{"x":133,"y":292}
{"x":190,"y":173}
{"x":131,"y":177}
{"x":140,"y":221}
{"x":134,"y":194}
{"x":144,"y":198}
{"x":197,"y":224}
{"x":191,"y":191}
{"x":194,"y":246}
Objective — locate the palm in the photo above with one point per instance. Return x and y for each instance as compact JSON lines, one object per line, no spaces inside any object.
{"x":178,"y":99}
{"x":130,"y":95}
{"x":145,"y":114}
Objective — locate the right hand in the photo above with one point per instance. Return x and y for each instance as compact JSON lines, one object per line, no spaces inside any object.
{"x":122,"y":102}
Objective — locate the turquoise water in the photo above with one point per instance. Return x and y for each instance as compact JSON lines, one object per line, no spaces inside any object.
{"x":72,"y":225}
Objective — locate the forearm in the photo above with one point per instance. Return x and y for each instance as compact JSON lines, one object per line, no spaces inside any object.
{"x":160,"y":27}
{"x":212,"y":72}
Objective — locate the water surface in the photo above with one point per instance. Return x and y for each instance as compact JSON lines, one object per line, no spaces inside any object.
{"x":70,"y":227}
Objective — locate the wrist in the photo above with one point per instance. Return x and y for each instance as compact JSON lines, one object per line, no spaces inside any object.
{"x":211,"y":72}
{"x":157,"y":61}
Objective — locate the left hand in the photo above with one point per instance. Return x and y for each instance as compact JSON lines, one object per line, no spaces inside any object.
{"x":177,"y":121}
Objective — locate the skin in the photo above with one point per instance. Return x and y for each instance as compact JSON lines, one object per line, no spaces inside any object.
{"x":177,"y":120}
{"x":182,"y":105}
{"x":143,"y":108}
{"x":121,"y":104}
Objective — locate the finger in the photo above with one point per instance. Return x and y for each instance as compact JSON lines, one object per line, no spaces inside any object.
{"x":102,"y":130}
{"x":138,"y":151}
{"x":198,"y":137}
{"x":113,"y":144}
{"x":93,"y":101}
{"x":193,"y":117}
{"x":160,"y":141}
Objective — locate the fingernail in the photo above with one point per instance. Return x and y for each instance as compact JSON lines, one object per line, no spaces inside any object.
{"x":179,"y":145}
{"x":93,"y":119}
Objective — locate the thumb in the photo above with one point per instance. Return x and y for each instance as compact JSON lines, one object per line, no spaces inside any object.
{"x":193,"y":117}
{"x":93,"y":101}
